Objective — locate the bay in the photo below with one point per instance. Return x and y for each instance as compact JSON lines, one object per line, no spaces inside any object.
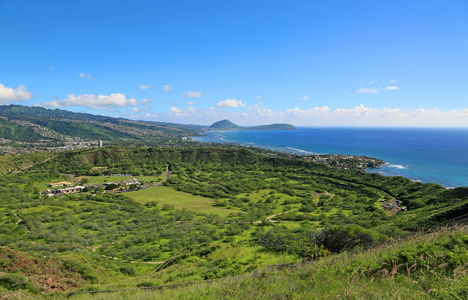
{"x":436,"y":155}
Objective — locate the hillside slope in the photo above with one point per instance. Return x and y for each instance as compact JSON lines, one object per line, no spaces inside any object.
{"x":224,"y":125}
{"x":401,"y":269}
{"x":28,"y":129}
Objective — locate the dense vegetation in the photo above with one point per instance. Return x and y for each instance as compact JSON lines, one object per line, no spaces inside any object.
{"x":424,"y":266}
{"x":258,"y":209}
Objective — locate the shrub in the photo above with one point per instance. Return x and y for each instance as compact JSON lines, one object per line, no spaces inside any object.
{"x":315,"y":252}
{"x":86,"y":272}
{"x":128,"y":270}
{"x":13,"y":282}
{"x":343,"y":238}
{"x":146,"y":284}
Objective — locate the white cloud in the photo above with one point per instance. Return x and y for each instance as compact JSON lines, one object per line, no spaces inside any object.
{"x":394,"y":81}
{"x":231,"y":103}
{"x":8,"y":94}
{"x":97,"y":102}
{"x":175,"y":109}
{"x":257,"y":97}
{"x":371,"y":82}
{"x":362,"y":111}
{"x":167,"y":88}
{"x":83,"y":75}
{"x":376,"y":90}
{"x":311,"y":112}
{"x":260,"y":110}
{"x":177,"y":112}
{"x":191,"y":94}
{"x":191,"y":103}
{"x":305,"y":97}
{"x":368,"y":91}
{"x":321,"y":116}
{"x":145,"y":87}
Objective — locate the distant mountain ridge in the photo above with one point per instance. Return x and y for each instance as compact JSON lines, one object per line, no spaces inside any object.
{"x":34,"y":124}
{"x":25,"y":129}
{"x":228,"y":125}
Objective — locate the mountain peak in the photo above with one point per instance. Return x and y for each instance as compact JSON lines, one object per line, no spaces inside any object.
{"x":224,"y":124}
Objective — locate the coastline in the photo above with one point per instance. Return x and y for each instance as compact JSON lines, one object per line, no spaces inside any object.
{"x":427,"y":156}
{"x":340,"y":161}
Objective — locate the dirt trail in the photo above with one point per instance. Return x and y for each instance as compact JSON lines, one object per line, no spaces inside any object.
{"x":19,"y":220}
{"x":269,"y":218}
{"x":32,"y":165}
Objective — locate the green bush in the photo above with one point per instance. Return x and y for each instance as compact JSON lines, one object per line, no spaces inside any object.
{"x":14,"y":282}
{"x":128,"y":270}
{"x":146,"y":284}
{"x":344,"y":238}
{"x":315,"y":252}
{"x":86,"y":272}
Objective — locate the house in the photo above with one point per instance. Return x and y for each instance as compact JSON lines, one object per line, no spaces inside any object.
{"x":60,"y":183}
{"x":130,"y":181}
{"x":69,"y":190}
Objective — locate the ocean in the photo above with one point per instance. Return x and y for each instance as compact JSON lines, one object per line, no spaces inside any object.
{"x":436,"y":155}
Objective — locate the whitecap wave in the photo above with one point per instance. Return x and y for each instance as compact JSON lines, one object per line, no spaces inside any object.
{"x":397,"y":166}
{"x":299,"y":150}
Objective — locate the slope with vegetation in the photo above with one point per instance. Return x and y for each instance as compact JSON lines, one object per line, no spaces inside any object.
{"x":258,"y":210}
{"x":23,"y":123}
{"x":423,"y":266}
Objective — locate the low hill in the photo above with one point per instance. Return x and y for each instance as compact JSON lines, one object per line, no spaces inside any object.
{"x":224,"y":125}
{"x":228,"y":125}
{"x":273,"y":127}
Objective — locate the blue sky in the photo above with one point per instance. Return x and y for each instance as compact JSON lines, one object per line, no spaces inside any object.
{"x":319,"y":63}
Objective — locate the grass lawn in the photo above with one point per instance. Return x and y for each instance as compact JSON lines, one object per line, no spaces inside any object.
{"x":42,"y":185}
{"x":167,"y":195}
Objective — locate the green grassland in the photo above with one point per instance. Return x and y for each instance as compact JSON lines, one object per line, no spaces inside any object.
{"x":223,"y":214}
{"x":179,"y":200}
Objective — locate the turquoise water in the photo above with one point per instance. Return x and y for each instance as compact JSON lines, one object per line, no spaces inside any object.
{"x":428,"y":155}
